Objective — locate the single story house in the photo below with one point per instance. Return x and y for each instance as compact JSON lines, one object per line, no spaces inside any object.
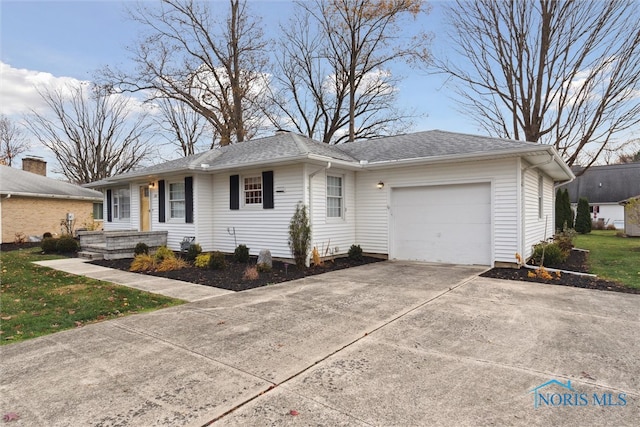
{"x":32,"y":204}
{"x":430,"y":196}
{"x":605,"y":187}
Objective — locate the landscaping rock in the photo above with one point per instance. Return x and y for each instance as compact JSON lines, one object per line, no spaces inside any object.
{"x":264,"y":258}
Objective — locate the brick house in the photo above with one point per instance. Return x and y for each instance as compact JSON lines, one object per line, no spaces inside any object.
{"x":32,"y":204}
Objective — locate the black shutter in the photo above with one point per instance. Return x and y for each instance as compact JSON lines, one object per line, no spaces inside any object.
{"x":109,"y":198}
{"x":188,"y":199}
{"x":161,"y":201}
{"x":234,"y":192}
{"x":267,"y":190}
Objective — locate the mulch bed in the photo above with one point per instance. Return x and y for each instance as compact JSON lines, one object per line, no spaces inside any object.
{"x":231,"y":278}
{"x":577,"y":261}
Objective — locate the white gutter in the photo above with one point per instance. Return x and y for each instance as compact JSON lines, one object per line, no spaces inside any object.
{"x":50,"y":196}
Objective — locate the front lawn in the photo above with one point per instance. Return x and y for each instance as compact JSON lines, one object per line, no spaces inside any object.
{"x":36,"y":300}
{"x":612,"y":257}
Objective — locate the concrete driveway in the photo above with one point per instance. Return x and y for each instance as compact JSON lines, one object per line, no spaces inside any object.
{"x":388,"y":344}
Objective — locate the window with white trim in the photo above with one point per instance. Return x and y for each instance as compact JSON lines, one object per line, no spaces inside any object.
{"x":252,"y":190}
{"x":540,"y":196}
{"x":335,"y":196}
{"x":121,"y":203}
{"x":177,"y":204}
{"x":98,"y":213}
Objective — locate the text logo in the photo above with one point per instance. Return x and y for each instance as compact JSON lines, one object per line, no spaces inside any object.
{"x":554,"y":393}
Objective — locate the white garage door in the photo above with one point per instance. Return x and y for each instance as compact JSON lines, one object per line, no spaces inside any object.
{"x":447,"y":223}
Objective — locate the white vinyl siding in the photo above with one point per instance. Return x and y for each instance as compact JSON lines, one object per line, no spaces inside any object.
{"x":257,"y":228}
{"x":333,"y":235}
{"x":372,"y":228}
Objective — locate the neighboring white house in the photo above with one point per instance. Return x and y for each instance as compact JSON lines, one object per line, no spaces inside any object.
{"x":431,"y":196}
{"x":605,"y":187}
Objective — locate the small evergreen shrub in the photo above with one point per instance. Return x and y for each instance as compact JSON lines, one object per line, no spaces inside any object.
{"x":553,"y":254}
{"x":300,"y":235}
{"x":217,"y":261}
{"x":143,"y":262}
{"x":48,"y":245}
{"x":355,"y":253}
{"x":194,"y":250}
{"x":583,"y":217}
{"x":202,"y":260}
{"x":162,"y":253}
{"x":67,"y":245}
{"x":171,"y":264}
{"x":241,"y":254}
{"x":141,"y":248}
{"x":263,"y":267}
{"x":47,"y":235}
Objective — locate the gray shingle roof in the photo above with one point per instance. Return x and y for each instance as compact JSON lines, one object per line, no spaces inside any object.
{"x":289,"y":146}
{"x":18,"y":182}
{"x":606,"y":184}
{"x":433,"y":143}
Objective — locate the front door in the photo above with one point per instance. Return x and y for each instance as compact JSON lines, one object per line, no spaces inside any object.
{"x":145,"y":209}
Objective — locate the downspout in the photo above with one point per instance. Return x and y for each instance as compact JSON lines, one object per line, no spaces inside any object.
{"x":311,"y":175}
{"x":522,"y":202}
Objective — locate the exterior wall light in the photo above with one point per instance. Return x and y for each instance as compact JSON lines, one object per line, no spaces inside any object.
{"x":380,"y":185}
{"x":152,"y":185}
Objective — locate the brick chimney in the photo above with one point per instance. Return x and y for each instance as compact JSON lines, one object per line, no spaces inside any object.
{"x":34,"y":165}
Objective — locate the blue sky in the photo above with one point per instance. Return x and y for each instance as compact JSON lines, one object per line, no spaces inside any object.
{"x":74,"y":38}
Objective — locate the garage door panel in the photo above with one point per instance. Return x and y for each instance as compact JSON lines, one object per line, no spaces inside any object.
{"x":450,"y":224}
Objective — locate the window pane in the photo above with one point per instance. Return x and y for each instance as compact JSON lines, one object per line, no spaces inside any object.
{"x":253,"y":190}
{"x":125,"y":203}
{"x":98,"y":211}
{"x":334,"y":186}
{"x":177,"y":200}
{"x":334,"y":196}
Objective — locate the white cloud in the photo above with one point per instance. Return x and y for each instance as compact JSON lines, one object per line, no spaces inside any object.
{"x":18,"y":93}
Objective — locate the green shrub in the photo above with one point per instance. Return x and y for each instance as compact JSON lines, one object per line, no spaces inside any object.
{"x":263,"y":267}
{"x":217,"y":261}
{"x":141,"y":248}
{"x":202,"y":260}
{"x":241,"y":254}
{"x":553,"y":254}
{"x":355,"y":253}
{"x":192,"y":253}
{"x":47,"y":235}
{"x":583,"y":217}
{"x":49,"y":244}
{"x":300,"y":235}
{"x":67,"y":245}
{"x":162,"y":253}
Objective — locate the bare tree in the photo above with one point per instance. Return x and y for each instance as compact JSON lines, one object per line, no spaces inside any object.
{"x":92,"y":134}
{"x":13,"y":141}
{"x":212,"y":65}
{"x":333,"y":68}
{"x":562,"y":72}
{"x":183,"y":127}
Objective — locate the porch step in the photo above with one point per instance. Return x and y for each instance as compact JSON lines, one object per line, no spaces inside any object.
{"x":90,"y":255}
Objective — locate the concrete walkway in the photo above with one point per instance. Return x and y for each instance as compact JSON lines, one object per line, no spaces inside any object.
{"x":159,"y":285}
{"x":387,"y":344}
